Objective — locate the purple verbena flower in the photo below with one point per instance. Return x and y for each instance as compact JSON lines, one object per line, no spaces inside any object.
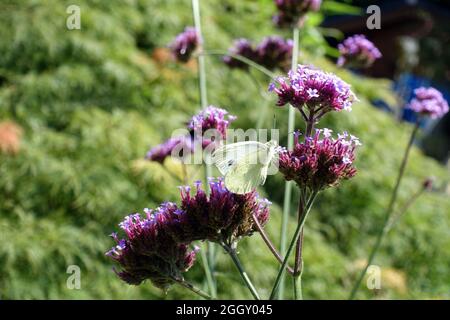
{"x":242,"y":47}
{"x":211,"y":118}
{"x":275,"y":52}
{"x":357,"y":51}
{"x":178,"y":146}
{"x":429,"y":102}
{"x":320,"y":161}
{"x":291,"y":11}
{"x":149,"y":250}
{"x":223,"y":216}
{"x":313,"y":90}
{"x":185,"y":44}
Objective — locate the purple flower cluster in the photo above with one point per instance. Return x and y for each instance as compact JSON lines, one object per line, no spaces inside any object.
{"x":149,"y":250}
{"x":242,"y":47}
{"x":429,"y":102}
{"x":291,"y":11}
{"x":210,"y":118}
{"x":320,"y":161}
{"x":357,"y":51}
{"x":317,"y":91}
{"x":178,"y":145}
{"x":157,"y":247}
{"x":185,"y":44}
{"x":223,"y":216}
{"x":273,"y":52}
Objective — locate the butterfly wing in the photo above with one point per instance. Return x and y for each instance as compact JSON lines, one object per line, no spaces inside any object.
{"x":248,"y":173}
{"x":227,"y":156}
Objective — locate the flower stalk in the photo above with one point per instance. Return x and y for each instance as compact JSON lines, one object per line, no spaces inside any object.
{"x":192,"y":288}
{"x":290,"y":146}
{"x":209,"y":262}
{"x":389,"y":211}
{"x":291,"y":245}
{"x":231,"y":250}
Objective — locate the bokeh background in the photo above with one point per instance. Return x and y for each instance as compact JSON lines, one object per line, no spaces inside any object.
{"x":80,"y":108}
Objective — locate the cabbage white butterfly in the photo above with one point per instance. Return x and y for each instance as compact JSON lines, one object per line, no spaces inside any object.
{"x":245,"y":164}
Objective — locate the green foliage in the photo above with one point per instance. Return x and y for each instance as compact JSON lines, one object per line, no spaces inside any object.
{"x":92,"y":101}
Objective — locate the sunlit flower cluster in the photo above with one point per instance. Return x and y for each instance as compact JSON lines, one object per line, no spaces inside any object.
{"x":223,"y":216}
{"x":313,"y":90}
{"x":149,"y":250}
{"x":291,"y":11}
{"x":429,"y":102}
{"x":358,"y":51}
{"x":185,"y":44}
{"x":320,"y":161}
{"x":157,"y":246}
{"x":210,"y":118}
{"x":273,"y":52}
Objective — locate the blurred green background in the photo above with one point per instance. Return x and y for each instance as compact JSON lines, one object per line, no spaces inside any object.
{"x":90,"y":102}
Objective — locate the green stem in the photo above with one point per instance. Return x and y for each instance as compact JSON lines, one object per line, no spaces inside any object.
{"x":269,"y":244}
{"x":232,"y":252}
{"x":388,"y":214}
{"x":290,"y":145}
{"x":191,"y":287}
{"x":200,"y":58}
{"x":208,"y":262}
{"x":208,"y":272}
{"x":396,"y":216}
{"x":292,"y":245}
{"x":297,"y":283}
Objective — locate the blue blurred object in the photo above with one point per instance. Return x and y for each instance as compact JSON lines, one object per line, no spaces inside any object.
{"x":404,"y":86}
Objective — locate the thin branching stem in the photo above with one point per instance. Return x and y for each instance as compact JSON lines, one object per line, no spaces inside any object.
{"x":233,"y":254}
{"x":308,"y":206}
{"x":269,"y":244}
{"x":290,"y":146}
{"x":193,"y":288}
{"x":388,"y":213}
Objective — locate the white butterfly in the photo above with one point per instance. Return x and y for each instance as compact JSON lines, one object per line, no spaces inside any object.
{"x":245,"y":165}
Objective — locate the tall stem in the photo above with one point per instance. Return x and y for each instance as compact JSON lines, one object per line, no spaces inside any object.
{"x":290,"y":145}
{"x":208,"y":272}
{"x":388,"y":213}
{"x":191,"y":287}
{"x":209,"y":262}
{"x":269,"y":244}
{"x":200,"y":57}
{"x":232,"y":252}
{"x":292,"y":245}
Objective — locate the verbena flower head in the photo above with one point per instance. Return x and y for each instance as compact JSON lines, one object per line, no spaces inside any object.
{"x":223,"y":216}
{"x":177,"y":145}
{"x":357,"y":51}
{"x":291,"y":11}
{"x":149,"y":251}
{"x":321,"y":161}
{"x":242,"y":47}
{"x":313,"y":90}
{"x":429,"y":102}
{"x":211,"y":118}
{"x":185,"y":44}
{"x":275,"y":52}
